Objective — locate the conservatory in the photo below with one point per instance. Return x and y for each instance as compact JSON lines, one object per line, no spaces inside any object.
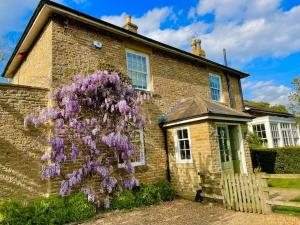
{"x":276,"y":131}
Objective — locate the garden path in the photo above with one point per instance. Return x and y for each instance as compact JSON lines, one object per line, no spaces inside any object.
{"x":184,"y":212}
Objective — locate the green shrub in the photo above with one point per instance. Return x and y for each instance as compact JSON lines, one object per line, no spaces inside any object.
{"x":124,"y":200}
{"x":53,"y":210}
{"x":79,"y":208}
{"x":147,"y":195}
{"x":12,"y":213}
{"x":277,"y":160}
{"x":166,"y":190}
{"x":43,"y":211}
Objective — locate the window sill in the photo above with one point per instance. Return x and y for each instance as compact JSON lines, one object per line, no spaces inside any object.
{"x":184,"y":162}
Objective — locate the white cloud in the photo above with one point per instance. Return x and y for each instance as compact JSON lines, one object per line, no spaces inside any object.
{"x":237,"y":10}
{"x":266,"y":91}
{"x":249,"y":29}
{"x":150,"y":26}
{"x":150,"y":21}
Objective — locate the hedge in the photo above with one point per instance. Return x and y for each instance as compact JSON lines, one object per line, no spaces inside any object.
{"x":283,"y":160}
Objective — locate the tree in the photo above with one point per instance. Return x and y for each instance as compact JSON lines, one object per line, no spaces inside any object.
{"x":294,"y":97}
{"x":93,"y":121}
{"x":266,"y":105}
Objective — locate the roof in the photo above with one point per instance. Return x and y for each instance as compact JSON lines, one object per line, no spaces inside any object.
{"x":198,"y":107}
{"x":46,"y":8}
{"x":262,"y":111}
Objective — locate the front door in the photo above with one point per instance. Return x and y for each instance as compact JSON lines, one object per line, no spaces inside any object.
{"x":225,"y":149}
{"x":229,"y":148}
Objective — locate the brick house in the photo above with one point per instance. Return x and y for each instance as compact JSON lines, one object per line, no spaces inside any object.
{"x":197,"y":124}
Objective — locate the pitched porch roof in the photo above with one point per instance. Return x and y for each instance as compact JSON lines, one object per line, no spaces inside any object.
{"x":196,"y":108}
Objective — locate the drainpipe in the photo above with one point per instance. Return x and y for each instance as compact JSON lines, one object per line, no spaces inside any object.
{"x":167,"y":152}
{"x":228,"y":80}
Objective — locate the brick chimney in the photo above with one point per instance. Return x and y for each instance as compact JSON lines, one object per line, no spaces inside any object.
{"x":129,"y":25}
{"x":196,"y":48}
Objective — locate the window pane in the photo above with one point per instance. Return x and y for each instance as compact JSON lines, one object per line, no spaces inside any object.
{"x":188,"y":154}
{"x":187,"y":144}
{"x":181,"y":145}
{"x":185,"y":133}
{"x":179,"y":134}
{"x":182,"y":154}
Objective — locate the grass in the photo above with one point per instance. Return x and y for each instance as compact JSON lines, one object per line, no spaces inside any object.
{"x":284,"y":183}
{"x":287,"y":210}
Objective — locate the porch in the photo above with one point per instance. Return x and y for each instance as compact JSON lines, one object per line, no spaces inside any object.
{"x":205,"y":138}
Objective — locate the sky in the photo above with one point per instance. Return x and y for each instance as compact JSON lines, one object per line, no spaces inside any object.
{"x":262,"y":37}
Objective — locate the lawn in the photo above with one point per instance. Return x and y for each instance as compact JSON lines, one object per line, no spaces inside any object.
{"x":289,"y":210}
{"x":284,"y":183}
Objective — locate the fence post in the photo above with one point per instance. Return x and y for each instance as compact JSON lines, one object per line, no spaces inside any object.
{"x":265,"y":195}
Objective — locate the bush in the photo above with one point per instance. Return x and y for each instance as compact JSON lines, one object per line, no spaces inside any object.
{"x":12,"y":213}
{"x":277,"y":160}
{"x":53,"y":210}
{"x":166,"y":190}
{"x":145,"y":194}
{"x":79,"y":208}
{"x":43,"y":211}
{"x":124,"y":200}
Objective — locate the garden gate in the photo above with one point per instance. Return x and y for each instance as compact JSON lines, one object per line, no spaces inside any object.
{"x":246,"y":193}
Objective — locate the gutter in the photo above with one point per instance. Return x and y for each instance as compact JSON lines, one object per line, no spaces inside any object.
{"x":65,"y":11}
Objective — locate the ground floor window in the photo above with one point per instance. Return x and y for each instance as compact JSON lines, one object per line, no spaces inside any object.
{"x":138,"y":159}
{"x":275,"y":134}
{"x":183,"y":145}
{"x":260,"y":130}
{"x":286,"y":134}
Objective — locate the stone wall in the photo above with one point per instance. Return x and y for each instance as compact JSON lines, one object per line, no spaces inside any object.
{"x":36,"y":69}
{"x":205,"y":169}
{"x":20,"y":151}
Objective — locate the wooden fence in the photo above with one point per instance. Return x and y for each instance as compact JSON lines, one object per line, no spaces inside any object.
{"x":250,"y":193}
{"x":246,"y":193}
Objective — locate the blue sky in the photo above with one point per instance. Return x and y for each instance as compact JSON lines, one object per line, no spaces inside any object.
{"x":262,"y":37}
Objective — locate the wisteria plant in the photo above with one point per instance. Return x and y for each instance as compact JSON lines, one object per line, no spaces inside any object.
{"x":92,"y":122}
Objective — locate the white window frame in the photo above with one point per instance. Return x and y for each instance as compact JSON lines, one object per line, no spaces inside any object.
{"x":177,"y":147}
{"x":142,"y":162}
{"x":221,"y":89}
{"x":147,"y":67}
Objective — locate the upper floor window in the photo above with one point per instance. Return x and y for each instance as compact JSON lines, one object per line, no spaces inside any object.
{"x":138,"y":159}
{"x":138,"y":69}
{"x":183,"y":146}
{"x":215,"y":87}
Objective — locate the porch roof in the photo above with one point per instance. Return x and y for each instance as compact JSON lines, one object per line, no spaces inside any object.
{"x":196,"y":108}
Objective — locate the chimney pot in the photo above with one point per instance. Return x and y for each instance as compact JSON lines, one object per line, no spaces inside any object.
{"x":196,"y":48}
{"x":128,"y":19}
{"x":129,"y":25}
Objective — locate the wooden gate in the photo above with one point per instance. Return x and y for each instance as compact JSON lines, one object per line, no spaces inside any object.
{"x":246,"y":193}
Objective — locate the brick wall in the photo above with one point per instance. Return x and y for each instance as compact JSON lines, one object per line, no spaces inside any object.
{"x":36,"y":69}
{"x":20,"y":151}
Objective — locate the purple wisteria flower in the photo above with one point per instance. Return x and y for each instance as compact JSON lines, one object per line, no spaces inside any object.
{"x":92,"y":122}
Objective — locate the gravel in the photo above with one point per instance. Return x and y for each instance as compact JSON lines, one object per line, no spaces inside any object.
{"x":184,"y":212}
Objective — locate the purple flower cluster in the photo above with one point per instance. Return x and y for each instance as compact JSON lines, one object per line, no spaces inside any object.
{"x":92,"y":119}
